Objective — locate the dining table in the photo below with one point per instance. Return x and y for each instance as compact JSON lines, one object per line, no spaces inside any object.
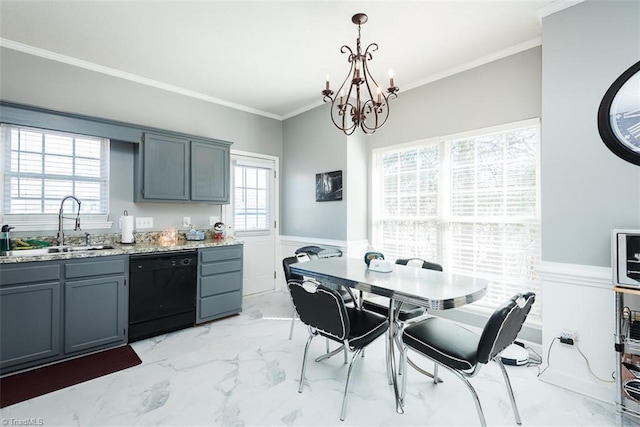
{"x":434,"y":290}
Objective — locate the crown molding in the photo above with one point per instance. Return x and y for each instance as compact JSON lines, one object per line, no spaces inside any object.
{"x":31,"y":50}
{"x":554,"y":7}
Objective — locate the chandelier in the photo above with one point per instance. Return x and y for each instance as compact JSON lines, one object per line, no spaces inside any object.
{"x":360,"y":101}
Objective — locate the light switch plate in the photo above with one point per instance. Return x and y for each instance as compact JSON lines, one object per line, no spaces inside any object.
{"x":186,"y":221}
{"x":144,"y":222}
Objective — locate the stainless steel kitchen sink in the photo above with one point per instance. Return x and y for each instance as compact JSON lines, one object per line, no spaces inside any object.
{"x":57,"y":249}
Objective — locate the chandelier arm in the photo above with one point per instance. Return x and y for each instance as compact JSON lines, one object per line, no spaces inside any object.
{"x":345,"y":49}
{"x":373,"y":47}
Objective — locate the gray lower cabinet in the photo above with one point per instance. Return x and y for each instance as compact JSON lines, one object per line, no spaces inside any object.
{"x":52,"y":310}
{"x":95,"y":303}
{"x":29,"y":314}
{"x":219,"y":282}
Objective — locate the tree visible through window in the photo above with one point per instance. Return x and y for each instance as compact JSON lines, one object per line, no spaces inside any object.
{"x":470,"y":203}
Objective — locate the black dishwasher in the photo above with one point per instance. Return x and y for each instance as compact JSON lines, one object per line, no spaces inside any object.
{"x":162,"y":293}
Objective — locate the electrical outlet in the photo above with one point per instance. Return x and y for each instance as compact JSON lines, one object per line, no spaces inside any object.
{"x":213,"y":220}
{"x":144,"y":222}
{"x":569,"y":337}
{"x":186,"y":221}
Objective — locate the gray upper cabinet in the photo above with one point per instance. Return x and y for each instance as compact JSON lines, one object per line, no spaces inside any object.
{"x":209,"y":172}
{"x":179,"y":169}
{"x":165,"y":168}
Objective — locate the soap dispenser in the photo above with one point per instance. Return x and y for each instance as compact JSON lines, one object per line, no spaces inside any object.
{"x":5,"y":240}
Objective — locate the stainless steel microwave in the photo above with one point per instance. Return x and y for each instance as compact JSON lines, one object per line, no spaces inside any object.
{"x":625,"y":254}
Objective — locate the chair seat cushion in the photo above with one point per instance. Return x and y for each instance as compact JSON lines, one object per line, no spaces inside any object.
{"x":444,"y":341}
{"x":366,"y":326}
{"x":381,"y":306}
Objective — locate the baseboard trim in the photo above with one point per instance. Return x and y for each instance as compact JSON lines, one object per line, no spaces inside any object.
{"x":602,"y":392}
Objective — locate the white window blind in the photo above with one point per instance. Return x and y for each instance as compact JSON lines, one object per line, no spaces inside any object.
{"x":41,"y":167}
{"x":469,"y":202}
{"x":252,"y":187}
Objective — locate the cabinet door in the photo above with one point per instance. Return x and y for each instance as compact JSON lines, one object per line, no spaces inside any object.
{"x":94,"y":313}
{"x":209,"y":172}
{"x":30,"y":323}
{"x":166,"y":167}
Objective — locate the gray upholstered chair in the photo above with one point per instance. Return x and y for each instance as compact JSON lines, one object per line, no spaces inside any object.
{"x":462,"y":351}
{"x":324,"y":312}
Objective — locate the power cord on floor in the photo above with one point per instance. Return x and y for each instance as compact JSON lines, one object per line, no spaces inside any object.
{"x":548,"y":357}
{"x":589,"y":366}
{"x":575,"y":344}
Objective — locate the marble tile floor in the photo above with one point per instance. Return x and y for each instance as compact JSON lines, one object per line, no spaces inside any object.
{"x":243,"y":371}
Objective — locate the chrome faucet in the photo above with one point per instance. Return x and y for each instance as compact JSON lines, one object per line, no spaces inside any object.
{"x":60,"y":238}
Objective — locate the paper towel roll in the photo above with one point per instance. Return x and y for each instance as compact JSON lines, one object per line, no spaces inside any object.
{"x":127,"y":227}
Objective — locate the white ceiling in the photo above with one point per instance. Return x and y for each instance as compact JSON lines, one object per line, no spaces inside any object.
{"x":270,"y":57}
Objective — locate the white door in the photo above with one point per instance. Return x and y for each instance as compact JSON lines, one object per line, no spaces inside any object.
{"x":252,"y":213}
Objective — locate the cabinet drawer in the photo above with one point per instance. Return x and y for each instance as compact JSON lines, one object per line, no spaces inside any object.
{"x":28,"y":273}
{"x":220,"y":304}
{"x":219,"y":254}
{"x":221,"y":267}
{"x":95,"y":268}
{"x":220,"y":283}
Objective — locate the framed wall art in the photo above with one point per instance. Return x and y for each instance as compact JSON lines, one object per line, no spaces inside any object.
{"x":329,"y":186}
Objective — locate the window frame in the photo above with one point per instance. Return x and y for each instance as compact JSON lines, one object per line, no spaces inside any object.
{"x":49,"y":221}
{"x":445,"y":217}
{"x":255,"y":163}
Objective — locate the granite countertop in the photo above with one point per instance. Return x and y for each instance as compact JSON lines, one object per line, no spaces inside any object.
{"x":125,"y":249}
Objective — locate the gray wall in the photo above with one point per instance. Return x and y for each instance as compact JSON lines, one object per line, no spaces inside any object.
{"x":586,"y":189}
{"x":311,"y":144}
{"x":32,"y":80}
{"x":502,"y":91}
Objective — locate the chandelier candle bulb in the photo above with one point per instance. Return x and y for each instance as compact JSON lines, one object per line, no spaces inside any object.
{"x":391,"y":78}
{"x":379,"y":95}
{"x":327,"y":88}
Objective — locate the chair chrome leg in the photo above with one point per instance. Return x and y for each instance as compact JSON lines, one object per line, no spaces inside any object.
{"x":330,"y":354}
{"x":483,"y":422}
{"x":304,"y":363}
{"x":509,"y":389}
{"x":343,"y":413}
{"x":293,"y":322}
{"x":435,"y":373}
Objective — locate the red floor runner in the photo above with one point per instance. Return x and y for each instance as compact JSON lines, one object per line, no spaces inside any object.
{"x":27,"y":385}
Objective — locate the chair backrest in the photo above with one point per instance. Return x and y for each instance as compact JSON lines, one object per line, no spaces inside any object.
{"x":321,"y":308}
{"x":419,"y":263}
{"x":286,"y":262}
{"x":503,"y":326}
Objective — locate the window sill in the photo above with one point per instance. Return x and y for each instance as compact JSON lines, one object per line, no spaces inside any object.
{"x":29,"y":225}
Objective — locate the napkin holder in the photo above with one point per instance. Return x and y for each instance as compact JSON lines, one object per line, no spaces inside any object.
{"x":380,"y":265}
